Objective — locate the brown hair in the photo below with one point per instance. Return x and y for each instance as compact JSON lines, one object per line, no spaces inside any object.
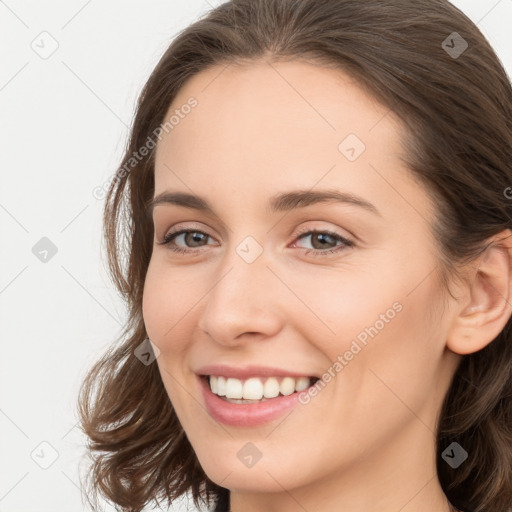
{"x":457,"y":110}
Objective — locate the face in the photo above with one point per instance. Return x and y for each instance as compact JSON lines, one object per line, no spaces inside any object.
{"x":333,"y":289}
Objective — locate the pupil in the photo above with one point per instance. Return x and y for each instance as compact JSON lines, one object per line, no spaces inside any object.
{"x":321,"y":237}
{"x":196,"y":237}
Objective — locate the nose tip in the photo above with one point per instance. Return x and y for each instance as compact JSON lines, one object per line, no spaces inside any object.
{"x":241,"y":304}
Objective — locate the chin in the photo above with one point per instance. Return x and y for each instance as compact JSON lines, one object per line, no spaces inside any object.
{"x":264,"y":476}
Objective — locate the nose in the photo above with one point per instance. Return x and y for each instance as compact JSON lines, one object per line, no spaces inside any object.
{"x":243,"y":302}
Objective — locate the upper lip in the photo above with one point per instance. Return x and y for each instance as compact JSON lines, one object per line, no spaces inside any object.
{"x":246,"y":372}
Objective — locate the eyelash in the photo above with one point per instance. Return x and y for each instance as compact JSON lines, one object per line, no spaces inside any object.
{"x":315,"y":252}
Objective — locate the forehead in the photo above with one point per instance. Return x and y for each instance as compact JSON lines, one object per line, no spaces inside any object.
{"x":263,"y":126}
{"x":264,"y":104}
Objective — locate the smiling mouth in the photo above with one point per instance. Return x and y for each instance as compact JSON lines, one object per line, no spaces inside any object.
{"x":256,"y":389}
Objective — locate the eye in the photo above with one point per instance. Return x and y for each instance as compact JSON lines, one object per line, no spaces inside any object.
{"x":194,"y":238}
{"x":191,"y":236}
{"x":320,"y":239}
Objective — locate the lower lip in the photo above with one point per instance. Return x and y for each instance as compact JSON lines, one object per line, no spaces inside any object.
{"x":246,"y":415}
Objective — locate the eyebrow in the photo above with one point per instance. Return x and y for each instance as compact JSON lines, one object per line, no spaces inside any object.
{"x":279,"y":203}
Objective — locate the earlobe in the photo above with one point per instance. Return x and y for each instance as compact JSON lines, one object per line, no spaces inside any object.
{"x":488,"y":306}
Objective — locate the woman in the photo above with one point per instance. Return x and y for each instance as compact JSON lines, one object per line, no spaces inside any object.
{"x":315,"y":209}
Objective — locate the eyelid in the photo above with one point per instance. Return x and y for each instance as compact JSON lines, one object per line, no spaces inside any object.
{"x":302,"y":231}
{"x":333,"y":232}
{"x":179,"y":227}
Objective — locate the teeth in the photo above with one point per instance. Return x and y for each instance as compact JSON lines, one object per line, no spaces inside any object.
{"x":252,"y":389}
{"x":302,"y":383}
{"x":271,"y":388}
{"x":214,"y":385}
{"x":233,"y":388}
{"x":287,"y":386}
{"x":221,"y":386}
{"x":256,"y":388}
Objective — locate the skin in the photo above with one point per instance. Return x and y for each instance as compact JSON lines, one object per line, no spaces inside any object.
{"x":367,"y":440}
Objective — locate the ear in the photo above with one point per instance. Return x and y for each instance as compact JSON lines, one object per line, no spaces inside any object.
{"x":487,"y":306}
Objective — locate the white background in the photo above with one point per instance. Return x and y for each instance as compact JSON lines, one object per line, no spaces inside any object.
{"x":64,"y":122}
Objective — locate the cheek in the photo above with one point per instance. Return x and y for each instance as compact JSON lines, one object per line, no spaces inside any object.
{"x":151,"y":305}
{"x":398,"y":364}
{"x":350,"y":306}
{"x":380,"y":327}
{"x":162,"y":305}
{"x":158,"y":304}
{"x":167,"y":305}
